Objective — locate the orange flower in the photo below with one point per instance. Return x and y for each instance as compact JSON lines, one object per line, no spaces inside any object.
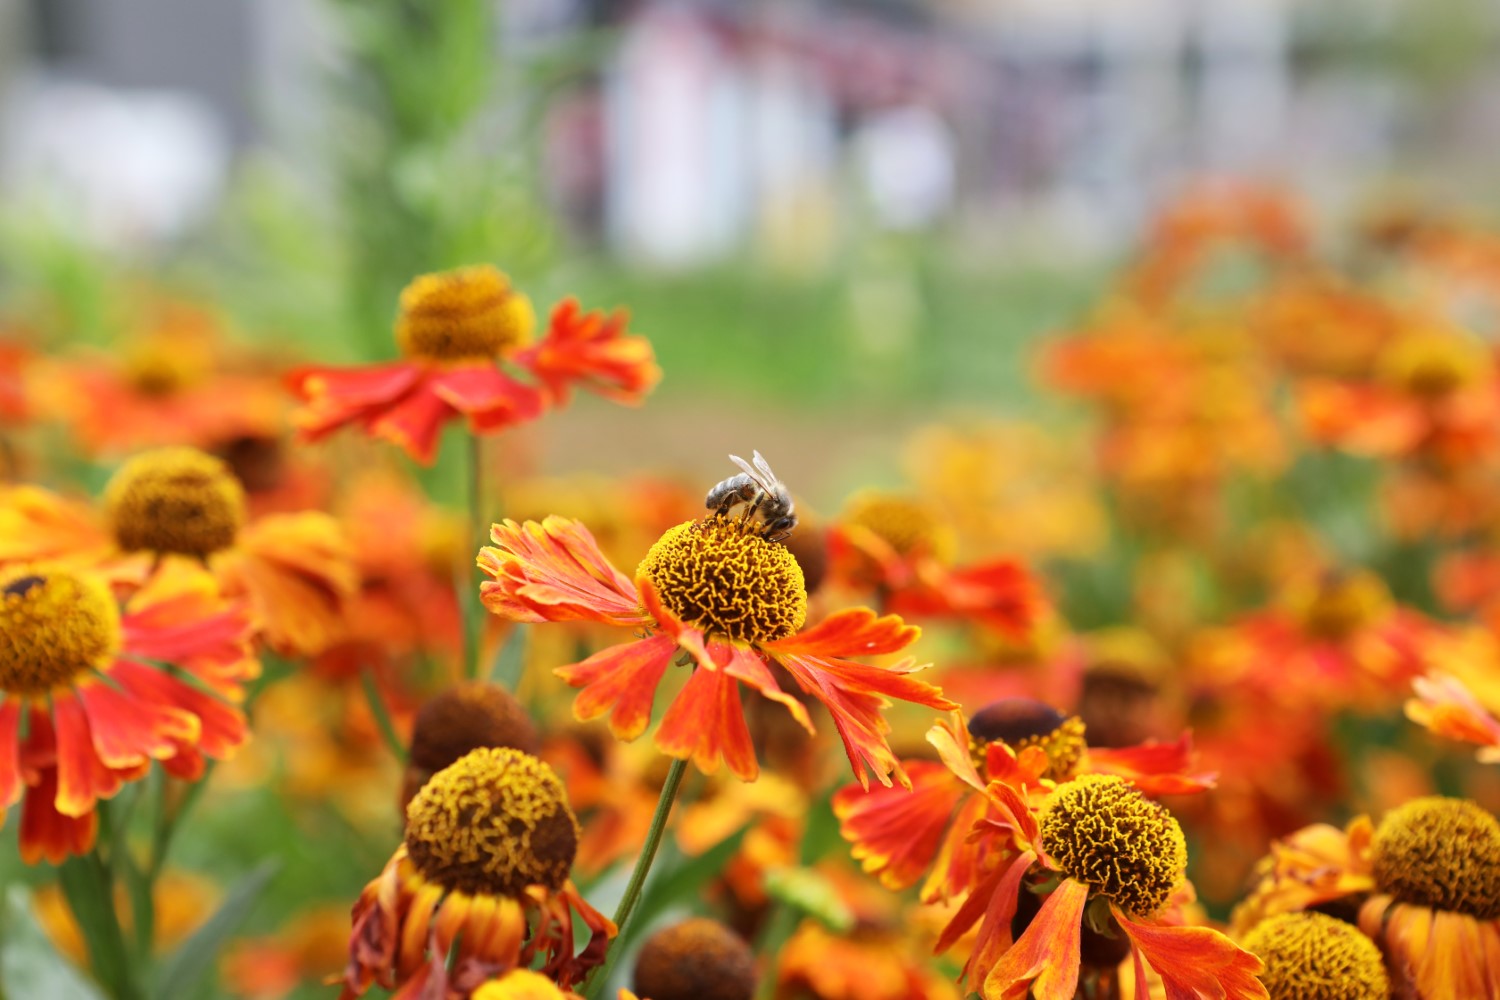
{"x":1425,"y":881}
{"x":1111,"y":861}
{"x":479,"y":887}
{"x":86,"y":705}
{"x":733,"y":602}
{"x":454,"y":328}
{"x":901,"y":548}
{"x":1025,"y":743}
{"x":179,"y":505}
{"x":177,"y":382}
{"x":864,"y":964}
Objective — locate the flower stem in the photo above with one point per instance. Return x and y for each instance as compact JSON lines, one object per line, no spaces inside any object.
{"x":600,"y":978}
{"x":478,"y":537}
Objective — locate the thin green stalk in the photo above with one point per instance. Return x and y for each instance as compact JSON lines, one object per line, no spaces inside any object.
{"x":88,"y":887}
{"x":382,"y":716}
{"x":600,"y":978}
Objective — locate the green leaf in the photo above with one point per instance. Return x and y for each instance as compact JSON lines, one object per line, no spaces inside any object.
{"x":29,"y":965}
{"x":510,"y":659}
{"x":87,"y":886}
{"x":812,"y":893}
{"x":182,"y":974}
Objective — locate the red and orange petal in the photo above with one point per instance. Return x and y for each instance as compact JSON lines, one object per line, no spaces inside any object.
{"x":592,"y":349}
{"x":1044,"y":961}
{"x":409,"y":402}
{"x":412,"y":936}
{"x":1434,"y":953}
{"x":1191,"y":961}
{"x":1314,"y":865}
{"x":896,"y":833}
{"x":992,"y":903}
{"x":1001,"y":595}
{"x":554,"y":572}
{"x":1155,"y":768}
{"x":1446,"y":707}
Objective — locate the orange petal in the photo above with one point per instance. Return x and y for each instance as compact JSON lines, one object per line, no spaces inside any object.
{"x":491,"y":399}
{"x":707,"y":723}
{"x":1155,"y":768}
{"x":1046,"y":958}
{"x":851,"y":632}
{"x":1196,"y":962}
{"x":747,"y":666}
{"x":623,"y":678}
{"x":414,"y":422}
{"x":10,"y":752}
{"x":592,"y":349}
{"x":996,"y":900}
{"x":339,"y":396}
{"x":48,"y":834}
{"x":895,"y":833}
{"x":554,"y":572}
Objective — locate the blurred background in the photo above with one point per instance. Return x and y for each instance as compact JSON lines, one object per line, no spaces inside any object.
{"x":867,"y":206}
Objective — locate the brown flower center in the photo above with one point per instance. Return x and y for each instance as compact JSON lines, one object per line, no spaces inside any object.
{"x":175,"y":500}
{"x":53,"y":628}
{"x":1442,"y":853}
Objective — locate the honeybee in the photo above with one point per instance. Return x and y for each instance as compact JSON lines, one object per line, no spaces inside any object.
{"x":758,"y":487}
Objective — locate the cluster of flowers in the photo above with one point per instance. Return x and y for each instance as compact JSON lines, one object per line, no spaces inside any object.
{"x":1287,"y":534}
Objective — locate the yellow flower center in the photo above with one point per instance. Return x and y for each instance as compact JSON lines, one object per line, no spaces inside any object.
{"x":697,"y":959}
{"x":175,"y":500}
{"x":1433,"y":365}
{"x":1102,"y":831}
{"x":1340,"y":604}
{"x":467,"y":314}
{"x":1442,"y":853}
{"x":164,"y":364}
{"x":493,"y":823}
{"x":721,"y":576}
{"x":908,"y":526}
{"x":53,"y":628}
{"x":1312,"y":956}
{"x":1025,"y":722}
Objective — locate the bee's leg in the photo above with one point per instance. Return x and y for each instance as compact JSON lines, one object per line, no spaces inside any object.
{"x":752,"y":508}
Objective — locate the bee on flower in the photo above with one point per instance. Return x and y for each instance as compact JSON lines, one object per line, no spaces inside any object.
{"x":720,"y":595}
{"x":458,"y":330}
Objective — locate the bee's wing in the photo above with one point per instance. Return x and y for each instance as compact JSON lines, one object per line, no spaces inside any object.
{"x":757,"y":476}
{"x":765,"y":470}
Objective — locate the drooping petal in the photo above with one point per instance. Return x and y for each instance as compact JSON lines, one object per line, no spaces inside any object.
{"x":1195,"y":963}
{"x":593,"y":350}
{"x":415,"y":422}
{"x":1155,"y":768}
{"x":338,"y":396}
{"x":490,"y":398}
{"x":554,"y":572}
{"x":894,"y":833}
{"x":621,"y":680}
{"x":706,"y":723}
{"x":82,"y":778}
{"x":1046,"y":958}
{"x":951,"y":740}
{"x":993,"y":902}
{"x":747,"y":666}
{"x":47,"y":834}
{"x":855,"y":695}
{"x":222,"y":727}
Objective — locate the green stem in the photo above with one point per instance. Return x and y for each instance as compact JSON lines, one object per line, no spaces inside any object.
{"x":382,"y":716}
{"x":88,"y":887}
{"x":600,"y":978}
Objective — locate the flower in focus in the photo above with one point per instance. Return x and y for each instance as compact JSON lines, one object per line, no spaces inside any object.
{"x":1425,"y":884}
{"x":902,"y":549}
{"x":733,"y":602}
{"x":455,"y":328}
{"x":695,"y":959}
{"x":86,"y":703}
{"x":1111,"y":864}
{"x":479,"y":887}
{"x":180,"y":505}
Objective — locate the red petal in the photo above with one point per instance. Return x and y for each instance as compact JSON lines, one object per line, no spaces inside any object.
{"x":896,"y":833}
{"x":707,"y":722}
{"x":1046,"y":958}
{"x":1196,"y":963}
{"x":414,"y":422}
{"x":554,"y":572}
{"x":747,"y":666}
{"x":10,"y":752}
{"x":592,"y":348}
{"x":851,"y":632}
{"x":854,"y":696}
{"x":997,"y":899}
{"x":339,"y":396}
{"x":1001,"y":594}
{"x":222,"y":727}
{"x":490,"y":398}
{"x":128,"y":731}
{"x":82,"y":778}
{"x":624,"y":677}
{"x":48,"y":834}
{"x":1155,"y":768}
